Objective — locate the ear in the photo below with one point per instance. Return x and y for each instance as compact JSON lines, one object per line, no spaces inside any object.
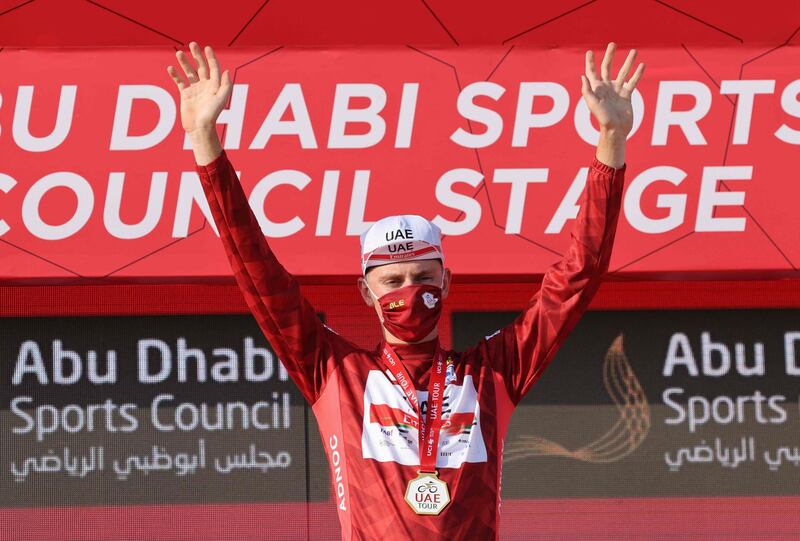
{"x":446,"y":280}
{"x":364,"y":290}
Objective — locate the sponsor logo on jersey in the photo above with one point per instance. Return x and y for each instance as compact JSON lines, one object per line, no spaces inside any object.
{"x":450,"y":372}
{"x":391,"y":427}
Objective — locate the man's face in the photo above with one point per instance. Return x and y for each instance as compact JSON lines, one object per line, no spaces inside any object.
{"x":386,"y":278}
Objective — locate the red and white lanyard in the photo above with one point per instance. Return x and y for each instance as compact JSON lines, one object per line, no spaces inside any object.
{"x":432,"y":422}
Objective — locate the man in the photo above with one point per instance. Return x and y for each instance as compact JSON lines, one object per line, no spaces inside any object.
{"x":414,"y":434}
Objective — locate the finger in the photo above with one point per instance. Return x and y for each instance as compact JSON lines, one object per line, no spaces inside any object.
{"x":188,"y":69}
{"x":591,"y":69}
{"x":608,"y":61}
{"x":213,"y":65}
{"x":175,"y":77}
{"x":625,"y":69}
{"x":226,"y":85}
{"x":630,"y":85}
{"x":197,"y":53}
{"x":587,"y":92}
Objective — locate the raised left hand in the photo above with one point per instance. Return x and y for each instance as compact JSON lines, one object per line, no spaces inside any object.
{"x":608,"y":99}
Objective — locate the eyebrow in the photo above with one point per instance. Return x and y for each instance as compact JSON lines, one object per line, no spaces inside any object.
{"x":399,"y":275}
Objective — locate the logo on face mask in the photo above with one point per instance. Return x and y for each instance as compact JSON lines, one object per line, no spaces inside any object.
{"x":429,"y":300}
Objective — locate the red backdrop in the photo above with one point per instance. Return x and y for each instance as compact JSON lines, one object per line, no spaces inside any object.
{"x":70,"y":202}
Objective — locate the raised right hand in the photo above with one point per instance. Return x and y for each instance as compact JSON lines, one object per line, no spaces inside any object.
{"x":204,"y":92}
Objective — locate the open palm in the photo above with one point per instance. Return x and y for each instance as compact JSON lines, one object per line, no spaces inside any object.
{"x":610,"y":100}
{"x":204,"y":91}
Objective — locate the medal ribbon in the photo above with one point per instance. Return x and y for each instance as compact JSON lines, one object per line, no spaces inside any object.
{"x":432,"y":422}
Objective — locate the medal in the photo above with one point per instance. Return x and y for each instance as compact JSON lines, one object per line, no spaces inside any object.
{"x":426,"y":494}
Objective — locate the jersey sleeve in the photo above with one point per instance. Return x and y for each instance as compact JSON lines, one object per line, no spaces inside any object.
{"x":289,"y":322}
{"x":520,"y":352}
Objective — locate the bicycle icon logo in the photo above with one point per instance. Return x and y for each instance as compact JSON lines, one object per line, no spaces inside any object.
{"x":430,"y":487}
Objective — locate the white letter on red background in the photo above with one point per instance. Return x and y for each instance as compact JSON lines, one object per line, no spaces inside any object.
{"x":790,"y":105}
{"x":155,"y":203}
{"x":343,"y":115}
{"x":291,"y":177}
{"x":676,"y":203}
{"x":525,"y":119}
{"x":30,"y":205}
{"x":710,"y":198}
{"x":491,"y":119}
{"x":327,"y":203}
{"x":746,"y":92}
{"x":405,"y":118}
{"x":519,"y":180}
{"x":120,"y":140}
{"x":685,"y":120}
{"x":466,"y":204}
{"x":6,"y":183}
{"x":291,"y":97}
{"x":358,"y":203}
{"x":21,"y":125}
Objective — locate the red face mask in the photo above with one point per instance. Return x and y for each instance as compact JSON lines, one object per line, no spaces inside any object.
{"x":410,"y":313}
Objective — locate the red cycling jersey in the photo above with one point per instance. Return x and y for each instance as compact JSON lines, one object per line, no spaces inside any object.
{"x":366,"y":423}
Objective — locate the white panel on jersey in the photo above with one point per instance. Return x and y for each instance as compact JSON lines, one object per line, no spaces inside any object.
{"x":390,"y":425}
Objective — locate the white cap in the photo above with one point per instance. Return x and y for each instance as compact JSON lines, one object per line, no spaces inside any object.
{"x":400,"y":238}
